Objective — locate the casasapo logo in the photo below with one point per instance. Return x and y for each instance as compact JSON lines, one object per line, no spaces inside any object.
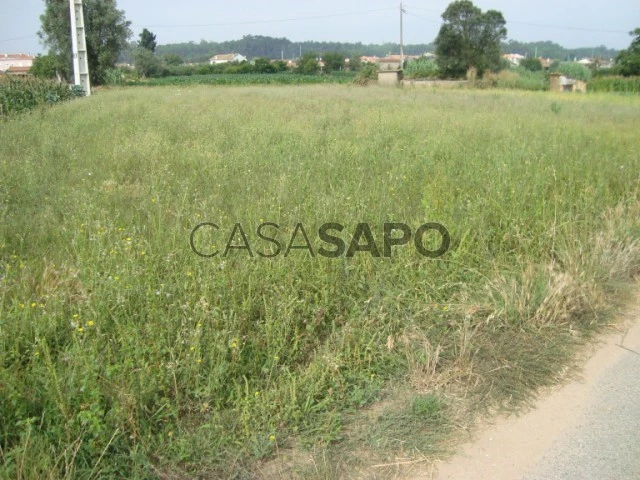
{"x":269,"y":240}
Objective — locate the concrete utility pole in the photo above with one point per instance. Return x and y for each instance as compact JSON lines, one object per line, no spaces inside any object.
{"x":401,"y":41}
{"x":79,"y":44}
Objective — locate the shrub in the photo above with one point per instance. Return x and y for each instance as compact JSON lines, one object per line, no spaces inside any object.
{"x":114,"y":77}
{"x":421,"y":68}
{"x":367,"y":73}
{"x":574,"y":70}
{"x":532,"y":64}
{"x":514,"y":78}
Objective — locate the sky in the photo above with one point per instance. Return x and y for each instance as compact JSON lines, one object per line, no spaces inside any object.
{"x":572,"y":24}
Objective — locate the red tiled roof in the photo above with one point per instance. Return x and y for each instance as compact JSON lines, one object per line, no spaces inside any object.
{"x":16,"y":56}
{"x":18,"y":70}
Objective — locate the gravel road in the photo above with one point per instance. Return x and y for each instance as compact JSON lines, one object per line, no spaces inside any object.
{"x":605,"y":443}
{"x":587,"y":429}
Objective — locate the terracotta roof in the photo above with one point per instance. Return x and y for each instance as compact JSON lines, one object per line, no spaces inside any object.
{"x":227,"y":56}
{"x":513,"y":56}
{"x":18,"y":70}
{"x":16,"y":56}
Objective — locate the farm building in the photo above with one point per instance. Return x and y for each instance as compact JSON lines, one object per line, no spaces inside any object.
{"x":560,"y":83}
{"x":227,"y":58}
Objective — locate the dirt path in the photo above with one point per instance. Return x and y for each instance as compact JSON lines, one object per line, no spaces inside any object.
{"x":586,"y":429}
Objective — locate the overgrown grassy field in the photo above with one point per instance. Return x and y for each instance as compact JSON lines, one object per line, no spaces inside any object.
{"x":123,"y":354}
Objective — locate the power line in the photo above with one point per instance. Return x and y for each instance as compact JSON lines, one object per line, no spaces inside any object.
{"x":254,"y":22}
{"x":423,"y":18}
{"x":425,"y":9}
{"x":566,"y":28}
{"x":17,"y":38}
{"x":540,"y":25}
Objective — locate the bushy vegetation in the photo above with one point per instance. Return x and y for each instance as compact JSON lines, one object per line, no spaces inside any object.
{"x":421,"y":68}
{"x":125,"y":355}
{"x":367,"y":74}
{"x":628,"y":60}
{"x":531,"y":63}
{"x":516,"y":78}
{"x":20,"y":94}
{"x":574,"y":70}
{"x":49,"y":67}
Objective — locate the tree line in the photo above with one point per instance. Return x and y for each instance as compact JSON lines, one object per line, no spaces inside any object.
{"x":547,"y":49}
{"x":270,"y":47}
{"x":252,"y":46}
{"x":468,"y":38}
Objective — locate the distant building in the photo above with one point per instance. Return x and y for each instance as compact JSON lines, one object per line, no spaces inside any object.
{"x":227,"y":58}
{"x":560,"y":83}
{"x":513,"y":58}
{"x":365,"y":59}
{"x":545,"y":62}
{"x":15,"y":63}
{"x":389,"y":64}
{"x":18,"y":71}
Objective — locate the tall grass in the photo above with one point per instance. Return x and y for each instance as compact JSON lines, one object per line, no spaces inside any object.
{"x":514,"y":79}
{"x":614,"y":84}
{"x":123,"y":354}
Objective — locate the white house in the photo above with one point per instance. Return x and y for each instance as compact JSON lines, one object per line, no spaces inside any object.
{"x":15,"y":61}
{"x":227,"y":58}
{"x":513,"y":58}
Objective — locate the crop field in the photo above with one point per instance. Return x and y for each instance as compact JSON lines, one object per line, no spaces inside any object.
{"x":126,"y":354}
{"x":252,"y":79}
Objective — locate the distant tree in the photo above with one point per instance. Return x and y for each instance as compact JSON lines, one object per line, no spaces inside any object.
{"x":308,"y":64}
{"x":355,"y":64}
{"x":280,"y":66}
{"x":333,"y":62}
{"x":241,"y":67}
{"x":531,"y":63}
{"x":628,"y":61}
{"x":107,"y":32}
{"x":469,"y":38}
{"x":48,"y":66}
{"x":263,"y":65}
{"x":147,"y":63}
{"x":147,"y":41}
{"x":173,"y":60}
